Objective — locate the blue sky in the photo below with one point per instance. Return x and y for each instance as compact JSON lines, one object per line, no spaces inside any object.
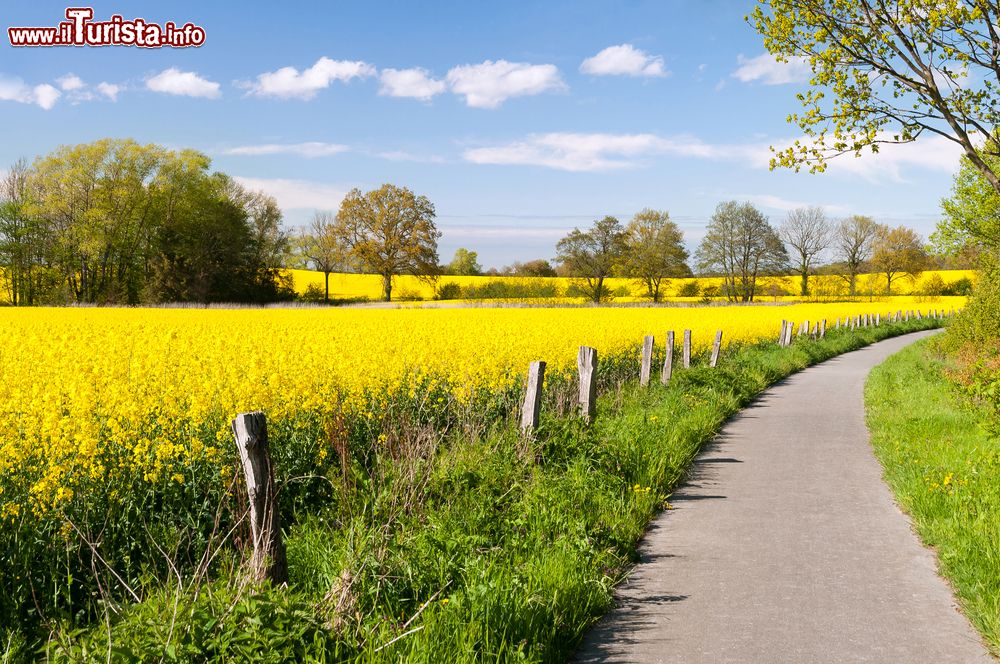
{"x":518,"y":120}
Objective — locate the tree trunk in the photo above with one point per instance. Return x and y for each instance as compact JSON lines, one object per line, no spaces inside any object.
{"x":805,"y":281}
{"x":326,"y":292}
{"x":599,"y":290}
{"x":854,"y":283}
{"x":387,"y":287}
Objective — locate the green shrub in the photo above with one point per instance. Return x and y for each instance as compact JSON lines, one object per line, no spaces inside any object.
{"x":689,"y":289}
{"x":448,"y":291}
{"x":961,"y":287}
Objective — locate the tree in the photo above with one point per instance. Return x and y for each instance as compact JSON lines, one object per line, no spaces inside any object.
{"x":741,"y":245}
{"x":972,"y":213}
{"x":807,"y":232}
{"x":853,"y":241}
{"x":465,"y":262}
{"x":389,"y":231}
{"x":594,"y":255}
{"x":898,"y":251}
{"x":655,"y":250}
{"x":18,"y":236}
{"x":323,"y":248}
{"x":889,"y":72}
{"x":538,"y":267}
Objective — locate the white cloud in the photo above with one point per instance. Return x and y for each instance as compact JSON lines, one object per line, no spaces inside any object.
{"x":783,"y":204}
{"x":489,"y":84}
{"x":624,"y":60}
{"x":766,"y":69}
{"x":109,"y":90}
{"x":70,"y":82}
{"x":289,"y":82}
{"x":310,"y":149}
{"x":185,"y":83}
{"x":298,"y":194}
{"x":46,"y":96}
{"x":932,"y":153}
{"x":416,"y":83}
{"x":586,"y":152}
{"x":402,"y":155}
{"x":580,"y":152}
{"x":14,"y":89}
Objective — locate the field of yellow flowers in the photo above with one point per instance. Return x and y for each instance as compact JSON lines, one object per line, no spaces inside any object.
{"x":345,"y":286}
{"x":91,"y":394}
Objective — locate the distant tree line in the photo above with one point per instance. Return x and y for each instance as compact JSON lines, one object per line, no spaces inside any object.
{"x":114,"y":222}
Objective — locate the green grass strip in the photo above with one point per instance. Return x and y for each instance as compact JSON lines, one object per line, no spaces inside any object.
{"x":945,"y":472}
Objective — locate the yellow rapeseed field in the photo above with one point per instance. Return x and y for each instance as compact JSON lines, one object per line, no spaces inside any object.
{"x":90,"y":394}
{"x":369,"y":286}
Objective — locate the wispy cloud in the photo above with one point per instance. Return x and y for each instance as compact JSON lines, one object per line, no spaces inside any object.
{"x":309,"y":149}
{"x":70,"y":82}
{"x":624,"y":60}
{"x":489,"y":84}
{"x":416,"y":83}
{"x":109,"y":90}
{"x":298,"y":194}
{"x":580,"y":152}
{"x":290,"y":83}
{"x":586,"y":152}
{"x":15,"y":89}
{"x":772,"y":202}
{"x":402,"y":155}
{"x":173,"y":81}
{"x":767,"y":70}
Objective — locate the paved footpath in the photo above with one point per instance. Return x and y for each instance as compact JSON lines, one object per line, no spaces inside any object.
{"x":785,"y":546}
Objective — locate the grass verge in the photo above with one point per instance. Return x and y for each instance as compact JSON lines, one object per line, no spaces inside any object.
{"x":474,"y":548}
{"x":943,"y":469}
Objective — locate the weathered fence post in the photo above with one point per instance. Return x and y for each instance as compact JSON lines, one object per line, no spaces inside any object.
{"x":781,"y":337}
{"x":268,"y":560}
{"x":687,"y":349}
{"x":837,"y":325}
{"x":822,"y":329}
{"x":586,"y":365}
{"x":532,"y":408}
{"x":788,"y":333}
{"x":647,"y":360}
{"x":715,"y":349}
{"x":878,"y":319}
{"x":668,"y":359}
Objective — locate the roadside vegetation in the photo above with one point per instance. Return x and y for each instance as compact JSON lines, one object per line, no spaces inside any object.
{"x":942,"y":465}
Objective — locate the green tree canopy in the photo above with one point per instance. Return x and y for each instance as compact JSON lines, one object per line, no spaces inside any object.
{"x":655,"y":250}
{"x":465,"y":262}
{"x":594,"y":255}
{"x":898,"y":251}
{"x":971,"y":213}
{"x":389,"y":231}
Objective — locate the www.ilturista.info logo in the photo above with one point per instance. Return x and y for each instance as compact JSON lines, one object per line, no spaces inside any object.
{"x":81,"y":30}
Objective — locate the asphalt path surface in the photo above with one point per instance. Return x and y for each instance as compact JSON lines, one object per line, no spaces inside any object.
{"x":785,"y":545}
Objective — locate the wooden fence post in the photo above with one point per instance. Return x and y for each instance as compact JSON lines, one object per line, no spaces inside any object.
{"x":532,"y":408}
{"x":788,"y":333}
{"x":647,"y":360}
{"x":781,"y":337}
{"x":715,"y":349}
{"x":268,"y":560}
{"x":837,"y":325}
{"x":668,"y":359}
{"x":822,"y":330}
{"x":586,"y":365}
{"x":878,"y":319}
{"x":687,"y":349}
